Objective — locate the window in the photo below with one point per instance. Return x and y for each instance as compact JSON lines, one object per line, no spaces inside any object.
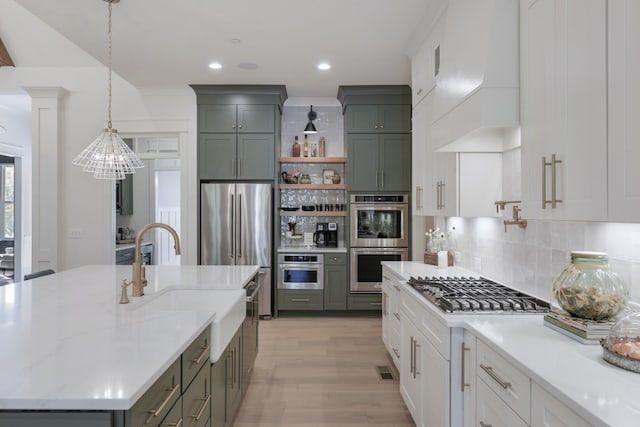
{"x":7,"y":201}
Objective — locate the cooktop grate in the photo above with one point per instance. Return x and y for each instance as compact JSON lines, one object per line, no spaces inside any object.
{"x":476,"y":295}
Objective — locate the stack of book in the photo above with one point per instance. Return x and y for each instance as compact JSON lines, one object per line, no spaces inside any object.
{"x":582,"y":330}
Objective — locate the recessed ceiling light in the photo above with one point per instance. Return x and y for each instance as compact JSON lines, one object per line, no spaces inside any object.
{"x":324,"y":66}
{"x":215,"y":65}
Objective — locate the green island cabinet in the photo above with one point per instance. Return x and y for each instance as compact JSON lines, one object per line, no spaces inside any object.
{"x":377,"y":123}
{"x":182,"y":395}
{"x":238,"y":126}
{"x":226,"y":383}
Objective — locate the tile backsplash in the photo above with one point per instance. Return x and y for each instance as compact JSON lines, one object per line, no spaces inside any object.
{"x":530,"y":259}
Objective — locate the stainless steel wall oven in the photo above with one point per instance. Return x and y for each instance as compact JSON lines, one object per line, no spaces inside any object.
{"x":379,"y":228}
{"x":379,"y":220}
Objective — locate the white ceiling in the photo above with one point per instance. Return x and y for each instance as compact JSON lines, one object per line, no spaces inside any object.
{"x":171,"y":43}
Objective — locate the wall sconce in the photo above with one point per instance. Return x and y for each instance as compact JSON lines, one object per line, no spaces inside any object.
{"x":310,"y":128}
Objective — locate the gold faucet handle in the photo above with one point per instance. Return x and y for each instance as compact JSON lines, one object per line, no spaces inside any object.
{"x":143,"y":276}
{"x":124,"y":298}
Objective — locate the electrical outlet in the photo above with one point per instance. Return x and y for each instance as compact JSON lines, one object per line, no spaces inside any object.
{"x":75,"y":233}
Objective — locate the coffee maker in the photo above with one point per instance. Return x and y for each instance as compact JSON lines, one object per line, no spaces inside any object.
{"x":326,"y":235}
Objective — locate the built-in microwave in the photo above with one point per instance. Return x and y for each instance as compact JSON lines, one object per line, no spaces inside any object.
{"x":300,"y":271}
{"x":379,"y":220}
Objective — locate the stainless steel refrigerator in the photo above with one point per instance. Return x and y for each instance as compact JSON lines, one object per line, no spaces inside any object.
{"x":236,"y":228}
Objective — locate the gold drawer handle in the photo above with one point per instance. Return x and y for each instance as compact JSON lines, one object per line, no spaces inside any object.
{"x":176,"y":424}
{"x":300,"y":300}
{"x":377,"y":304}
{"x":483,"y":424}
{"x":198,"y":359}
{"x":205,"y":402}
{"x":489,"y":370}
{"x":156,"y":412}
{"x":397,"y":316}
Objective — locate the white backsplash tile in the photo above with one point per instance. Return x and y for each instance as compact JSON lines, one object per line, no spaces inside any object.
{"x":531,"y":259}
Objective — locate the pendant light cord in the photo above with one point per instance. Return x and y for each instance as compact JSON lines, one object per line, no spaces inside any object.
{"x":109,"y":62}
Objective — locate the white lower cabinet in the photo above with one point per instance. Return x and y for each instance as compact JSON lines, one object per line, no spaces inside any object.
{"x":492,"y":411}
{"x":424,"y":371}
{"x":391,"y":316}
{"x":468,"y":379}
{"x":547,"y":411}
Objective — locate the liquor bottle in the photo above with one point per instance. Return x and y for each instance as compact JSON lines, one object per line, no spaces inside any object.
{"x":296,"y":148}
{"x":306,"y":146}
{"x":321,"y":147}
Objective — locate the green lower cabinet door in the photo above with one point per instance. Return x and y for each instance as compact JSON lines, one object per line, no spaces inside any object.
{"x":335,"y":287}
{"x":218,"y":386}
{"x":196,"y":400}
{"x":174,"y":417}
{"x":57,"y":419}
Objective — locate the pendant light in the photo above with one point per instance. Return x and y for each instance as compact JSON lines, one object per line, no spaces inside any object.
{"x":108,"y":157}
{"x":310,"y":128}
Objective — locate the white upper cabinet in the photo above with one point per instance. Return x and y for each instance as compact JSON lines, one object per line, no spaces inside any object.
{"x":425,"y":64}
{"x":564,"y":109}
{"x":421,"y":158}
{"x":477,"y":84}
{"x":624,"y":110}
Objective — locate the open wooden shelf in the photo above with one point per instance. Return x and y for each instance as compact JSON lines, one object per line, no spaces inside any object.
{"x":313,"y":213}
{"x":313,"y":186}
{"x":313,"y":159}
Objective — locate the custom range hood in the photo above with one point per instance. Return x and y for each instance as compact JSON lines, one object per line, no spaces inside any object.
{"x":476,"y":104}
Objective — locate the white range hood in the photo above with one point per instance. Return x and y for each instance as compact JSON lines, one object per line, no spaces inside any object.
{"x":476,"y":104}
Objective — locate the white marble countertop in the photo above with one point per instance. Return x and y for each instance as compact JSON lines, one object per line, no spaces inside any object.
{"x":576,"y":374}
{"x":68,"y":344}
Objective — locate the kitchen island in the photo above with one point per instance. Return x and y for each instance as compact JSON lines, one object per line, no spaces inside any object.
{"x":68,"y":345}
{"x":545,"y":375}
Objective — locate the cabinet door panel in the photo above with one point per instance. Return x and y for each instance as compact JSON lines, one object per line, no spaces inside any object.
{"x":434,"y":374}
{"x":422,"y":159}
{"x":361,"y":118}
{"x":217,"y":118}
{"x":395,"y":172}
{"x":363,"y":158}
{"x":217,"y":156}
{"x":335,"y":287}
{"x":395,"y":118}
{"x":624,"y":110}
{"x":256,"y":118}
{"x":547,"y":411}
{"x":256,"y":155}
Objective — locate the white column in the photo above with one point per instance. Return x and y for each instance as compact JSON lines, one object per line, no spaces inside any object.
{"x":45,"y":129}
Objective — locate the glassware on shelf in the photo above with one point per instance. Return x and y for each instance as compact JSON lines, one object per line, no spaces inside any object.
{"x":586,"y":288}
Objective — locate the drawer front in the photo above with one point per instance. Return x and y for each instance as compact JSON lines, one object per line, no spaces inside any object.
{"x":174,"y":417}
{"x":335,"y":259}
{"x":394,"y":342}
{"x":364,"y":302}
{"x":508,"y":382}
{"x":492,"y":411}
{"x":436,"y":332}
{"x":196,"y":400}
{"x":548,"y":411}
{"x":300,"y":300}
{"x":155,"y":404}
{"x":195,"y":357}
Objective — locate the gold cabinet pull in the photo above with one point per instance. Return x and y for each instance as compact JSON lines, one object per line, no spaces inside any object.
{"x":198,"y":359}
{"x":554,"y":198}
{"x":489,"y":370}
{"x":300,"y":300}
{"x":205,"y":402}
{"x":176,"y":424}
{"x":173,"y":391}
{"x":483,"y":424}
{"x":462,"y":373}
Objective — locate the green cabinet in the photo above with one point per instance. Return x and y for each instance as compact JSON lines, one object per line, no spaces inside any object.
{"x":335,"y":281}
{"x":236,"y":118}
{"x":226,"y":383}
{"x":236,"y":156}
{"x":378,"y":119}
{"x":365,"y":302}
{"x":304,"y":299}
{"x":377,"y":124}
{"x":379,"y":162}
{"x":238,"y":126}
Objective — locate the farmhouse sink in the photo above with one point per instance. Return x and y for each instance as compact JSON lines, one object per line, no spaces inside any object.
{"x":229,"y":307}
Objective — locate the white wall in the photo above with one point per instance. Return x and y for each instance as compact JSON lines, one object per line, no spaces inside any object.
{"x":86,"y":217}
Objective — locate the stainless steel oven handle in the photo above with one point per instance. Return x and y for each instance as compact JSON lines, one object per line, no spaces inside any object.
{"x":301,"y":266}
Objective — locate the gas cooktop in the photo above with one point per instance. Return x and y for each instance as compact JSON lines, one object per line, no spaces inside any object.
{"x":476,"y":295}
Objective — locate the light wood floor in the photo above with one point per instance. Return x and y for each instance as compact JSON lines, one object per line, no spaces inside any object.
{"x":321,"y":371}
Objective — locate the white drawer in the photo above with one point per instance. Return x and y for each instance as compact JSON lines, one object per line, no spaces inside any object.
{"x":492,"y":411}
{"x":546,"y":410}
{"x":436,"y":332}
{"x":508,"y":382}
